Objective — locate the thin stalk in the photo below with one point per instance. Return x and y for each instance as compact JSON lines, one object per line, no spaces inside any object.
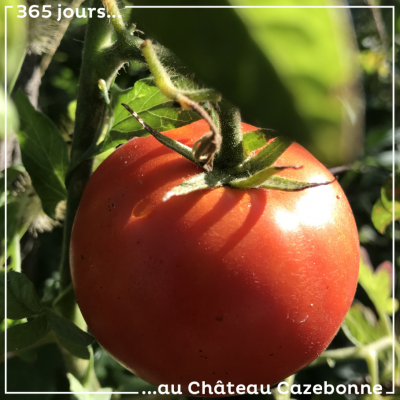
{"x":287,"y":395}
{"x":354,"y":351}
{"x":15,"y":253}
{"x":373,"y":368}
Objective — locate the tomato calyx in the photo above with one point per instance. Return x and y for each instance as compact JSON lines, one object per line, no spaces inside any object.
{"x":255,"y":171}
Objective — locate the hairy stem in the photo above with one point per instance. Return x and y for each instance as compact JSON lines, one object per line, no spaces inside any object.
{"x":231,"y":153}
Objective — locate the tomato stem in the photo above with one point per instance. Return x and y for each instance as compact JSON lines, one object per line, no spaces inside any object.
{"x":373,"y":369}
{"x":231,"y":153}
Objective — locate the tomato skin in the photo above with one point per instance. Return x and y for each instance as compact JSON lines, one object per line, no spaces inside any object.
{"x":242,"y":286}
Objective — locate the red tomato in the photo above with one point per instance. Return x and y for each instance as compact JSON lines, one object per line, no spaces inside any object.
{"x":242,"y":286}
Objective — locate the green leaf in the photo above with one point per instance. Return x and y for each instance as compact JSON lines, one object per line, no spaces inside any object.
{"x":44,"y":154}
{"x":361,"y":325}
{"x":253,"y":140}
{"x":76,"y":350}
{"x":292,"y":70}
{"x":382,"y":211}
{"x":27,"y":334}
{"x":76,"y":386}
{"x":67,"y":330}
{"x":377,"y":285}
{"x":152,"y":106}
{"x":22,"y":300}
{"x":387,"y":196}
{"x":381,"y":217}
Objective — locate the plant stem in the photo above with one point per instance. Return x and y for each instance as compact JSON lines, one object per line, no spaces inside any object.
{"x":372,"y":361}
{"x":15,"y":252}
{"x":285,"y":396}
{"x":354,"y":351}
{"x":89,"y":119}
{"x":231,"y":153}
{"x":90,"y":112}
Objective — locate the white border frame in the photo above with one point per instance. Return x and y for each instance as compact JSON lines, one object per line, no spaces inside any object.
{"x":211,"y":7}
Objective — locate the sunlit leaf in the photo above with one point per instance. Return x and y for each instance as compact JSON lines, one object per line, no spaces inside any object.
{"x":380,"y":216}
{"x":361,"y":325}
{"x":152,"y":106}
{"x":377,"y":285}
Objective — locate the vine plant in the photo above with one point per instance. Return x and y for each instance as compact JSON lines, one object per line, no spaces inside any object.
{"x":224,"y":155}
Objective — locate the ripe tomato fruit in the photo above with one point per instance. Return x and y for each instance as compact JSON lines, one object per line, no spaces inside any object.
{"x":242,"y":286}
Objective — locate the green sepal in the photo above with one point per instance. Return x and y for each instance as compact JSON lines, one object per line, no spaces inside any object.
{"x":259,"y":178}
{"x":267,"y":156}
{"x":291,"y":185}
{"x":256,"y":172}
{"x":198,"y":182}
{"x":254,"y":140}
